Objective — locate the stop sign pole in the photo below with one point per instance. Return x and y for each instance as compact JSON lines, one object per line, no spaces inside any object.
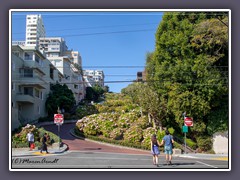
{"x":187,"y":122}
{"x":58,"y":119}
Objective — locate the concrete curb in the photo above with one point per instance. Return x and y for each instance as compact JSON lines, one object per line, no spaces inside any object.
{"x":16,"y":152}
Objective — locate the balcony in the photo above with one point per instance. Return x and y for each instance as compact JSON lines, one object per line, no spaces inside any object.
{"x":24,"y":98}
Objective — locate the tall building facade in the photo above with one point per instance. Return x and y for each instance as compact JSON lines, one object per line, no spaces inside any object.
{"x":34,"y":30}
{"x":31,"y":75}
{"x":52,"y":46}
{"x":94,"y":77}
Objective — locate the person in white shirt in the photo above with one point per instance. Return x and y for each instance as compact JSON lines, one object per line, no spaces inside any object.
{"x":30,"y":138}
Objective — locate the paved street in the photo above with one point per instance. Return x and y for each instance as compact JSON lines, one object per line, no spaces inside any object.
{"x":82,"y":154}
{"x":89,"y":160}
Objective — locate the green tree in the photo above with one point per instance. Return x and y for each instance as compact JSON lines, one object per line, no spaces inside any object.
{"x":189,"y":67}
{"x":94,"y":93}
{"x":60,"y":96}
{"x":150,"y":102}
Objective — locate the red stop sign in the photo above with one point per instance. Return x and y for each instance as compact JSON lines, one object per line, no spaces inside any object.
{"x":188,"y":121}
{"x":58,"y":118}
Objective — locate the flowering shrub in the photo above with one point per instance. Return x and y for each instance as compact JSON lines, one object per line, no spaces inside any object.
{"x":86,"y":110}
{"x":21,"y":137}
{"x":117,"y":134}
{"x":147,"y":134}
{"x":133,"y":135}
{"x":118,"y":120}
{"x":20,"y":140}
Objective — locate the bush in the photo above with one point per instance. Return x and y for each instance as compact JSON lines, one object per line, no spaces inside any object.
{"x":19,"y":140}
{"x":86,"y":110}
{"x":191,"y":143}
{"x":204,"y":143}
{"x":133,"y":135}
{"x":117,"y":134}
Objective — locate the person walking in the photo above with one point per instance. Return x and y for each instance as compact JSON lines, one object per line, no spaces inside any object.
{"x":168,"y":146}
{"x":155,"y":149}
{"x":30,"y":139}
{"x":44,"y":143}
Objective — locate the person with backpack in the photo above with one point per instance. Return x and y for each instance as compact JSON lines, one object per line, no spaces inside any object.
{"x":155,"y":149}
{"x":168,"y":146}
{"x":44,"y":143}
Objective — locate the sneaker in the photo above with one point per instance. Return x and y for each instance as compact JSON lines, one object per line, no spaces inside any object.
{"x":170,"y":162}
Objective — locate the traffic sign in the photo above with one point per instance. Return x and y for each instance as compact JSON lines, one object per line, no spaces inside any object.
{"x":188,"y":121}
{"x":58,"y":118}
{"x":185,"y":129}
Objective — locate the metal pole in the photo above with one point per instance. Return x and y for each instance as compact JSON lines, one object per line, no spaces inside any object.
{"x":185,"y":142}
{"x":59,"y":136}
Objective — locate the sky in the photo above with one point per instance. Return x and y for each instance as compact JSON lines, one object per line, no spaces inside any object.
{"x":107,"y":41}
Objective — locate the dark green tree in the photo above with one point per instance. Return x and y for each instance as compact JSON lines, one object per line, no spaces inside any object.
{"x":94,"y":93}
{"x":189,"y":68}
{"x":60,"y":96}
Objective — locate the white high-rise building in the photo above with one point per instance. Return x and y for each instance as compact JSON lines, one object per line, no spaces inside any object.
{"x":53,"y":46}
{"x":34,"y":30}
{"x":93,"y":77}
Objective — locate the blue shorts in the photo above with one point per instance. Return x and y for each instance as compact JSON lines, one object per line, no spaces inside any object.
{"x":168,"y":149}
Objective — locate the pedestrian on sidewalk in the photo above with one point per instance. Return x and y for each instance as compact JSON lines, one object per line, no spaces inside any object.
{"x":168,"y":146}
{"x":44,"y":143}
{"x":155,"y":149}
{"x":30,"y":139}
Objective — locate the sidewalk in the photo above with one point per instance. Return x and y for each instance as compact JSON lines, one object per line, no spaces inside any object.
{"x":36,"y":152}
{"x":222,"y":157}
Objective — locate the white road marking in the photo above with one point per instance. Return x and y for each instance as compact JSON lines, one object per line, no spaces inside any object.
{"x":206,"y":164}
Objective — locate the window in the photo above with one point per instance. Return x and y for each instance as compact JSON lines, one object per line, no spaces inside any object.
{"x":41,"y":95}
{"x":51,"y":73}
{"x":37,"y":93}
{"x":16,"y":53}
{"x":37,"y":58}
{"x":28,"y":56}
{"x":28,"y":91}
{"x":27,"y":72}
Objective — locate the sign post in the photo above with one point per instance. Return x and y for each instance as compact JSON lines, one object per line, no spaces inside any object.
{"x":58,"y":120}
{"x":188,"y":121}
{"x":185,"y":130}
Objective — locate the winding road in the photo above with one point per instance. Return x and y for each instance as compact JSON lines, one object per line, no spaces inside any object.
{"x":75,"y":144}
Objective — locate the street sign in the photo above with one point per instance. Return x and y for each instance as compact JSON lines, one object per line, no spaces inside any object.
{"x":185,"y":129}
{"x":188,"y":121}
{"x":58,"y":118}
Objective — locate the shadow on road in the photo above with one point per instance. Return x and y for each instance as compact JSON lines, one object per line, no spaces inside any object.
{"x":180,"y":164}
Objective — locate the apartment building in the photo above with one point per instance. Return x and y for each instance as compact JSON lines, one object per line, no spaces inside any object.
{"x":75,"y":56}
{"x":72,"y":76}
{"x":31,"y":75}
{"x":34,"y":30}
{"x":94,"y":77}
{"x":53,"y":46}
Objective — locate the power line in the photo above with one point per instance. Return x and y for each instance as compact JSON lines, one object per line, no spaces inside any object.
{"x":104,"y":33}
{"x":130,"y":66}
{"x":93,"y":27}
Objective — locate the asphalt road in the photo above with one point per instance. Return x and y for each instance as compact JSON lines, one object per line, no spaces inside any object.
{"x":103,"y":160}
{"x":83,"y":155}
